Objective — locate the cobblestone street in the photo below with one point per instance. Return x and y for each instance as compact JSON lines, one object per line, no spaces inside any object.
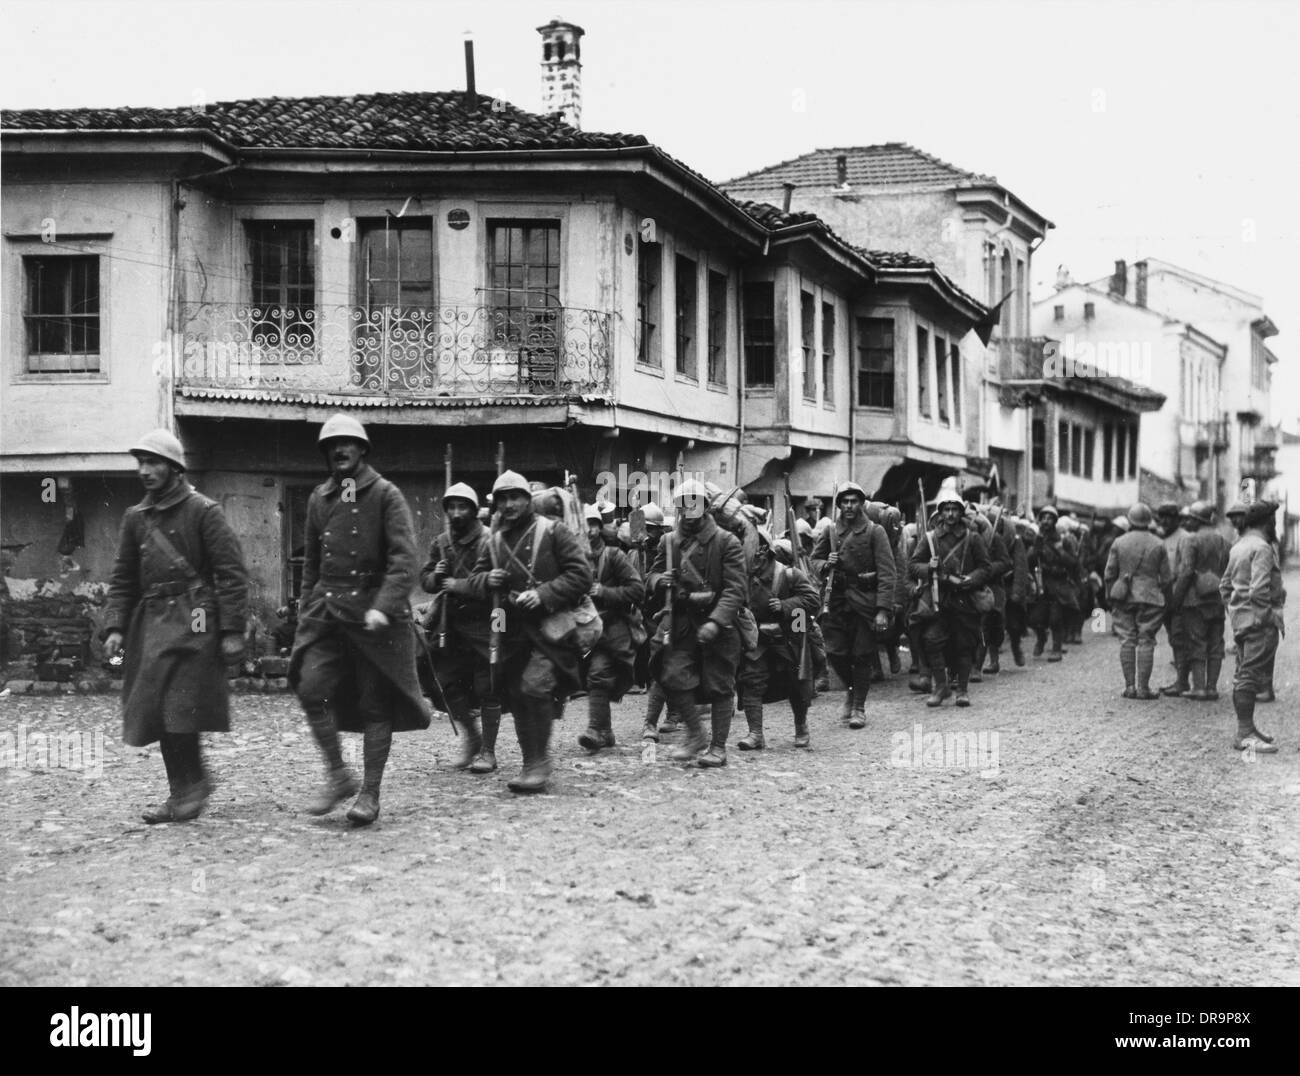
{"x":1089,"y":841}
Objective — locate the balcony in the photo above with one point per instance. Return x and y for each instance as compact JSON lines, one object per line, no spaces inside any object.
{"x":1020,"y":358}
{"x":1259,"y":465}
{"x":395,"y":352}
{"x":1212,"y":436}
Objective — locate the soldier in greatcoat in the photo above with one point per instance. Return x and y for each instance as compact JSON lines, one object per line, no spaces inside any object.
{"x":701,"y":569}
{"x":860,"y":572}
{"x":178,"y":598}
{"x":1137,"y":580}
{"x":531,"y":568}
{"x":1202,"y":560}
{"x":1253,"y":594}
{"x":1169,"y":519}
{"x":617,"y":591}
{"x":1009,"y":581}
{"x":785,"y":603}
{"x":1054,"y":559}
{"x":956,"y":555}
{"x":454,"y":654}
{"x":353,"y":661}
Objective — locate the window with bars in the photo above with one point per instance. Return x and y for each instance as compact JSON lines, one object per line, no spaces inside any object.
{"x":1076,"y":449}
{"x":760,"y":335}
{"x":923,"y":371}
{"x":876,"y":362}
{"x":1121,"y":450}
{"x":1063,"y":448}
{"x":649,"y":268}
{"x":954,"y":366}
{"x":1133,"y":451}
{"x":1089,"y":451}
{"x":808,"y":342}
{"x":1038,"y":445}
{"x":941,"y":378}
{"x":61,"y":313}
{"x":283,"y":279}
{"x":1107,"y":450}
{"x":687,"y":288}
{"x":717,"y":328}
{"x":828,"y":353}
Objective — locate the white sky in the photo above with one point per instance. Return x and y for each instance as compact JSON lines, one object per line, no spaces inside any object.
{"x":1140,"y":128}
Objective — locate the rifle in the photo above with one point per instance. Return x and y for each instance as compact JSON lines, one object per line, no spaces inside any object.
{"x":800,"y":562}
{"x":668,"y":608}
{"x":446,"y":485}
{"x":929,"y":541}
{"x":494,"y":634}
{"x":833,"y":539}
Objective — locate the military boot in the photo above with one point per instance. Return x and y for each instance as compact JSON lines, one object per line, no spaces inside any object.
{"x":600,"y":732}
{"x":695,"y":741}
{"x":753,"y":740}
{"x":166,"y":811}
{"x":340,"y":784}
{"x":941,"y":691}
{"x":846,"y":711}
{"x":716,"y":755}
{"x":534,"y":730}
{"x":1248,"y":737}
{"x":975,"y":676}
{"x":1017,"y":650}
{"x":1180,"y":683}
{"x":862,"y":677}
{"x":1197,"y":690}
{"x":469,"y":737}
{"x":486,"y":759}
{"x":993,"y":667}
{"x":1212,"y":669}
{"x":800,"y":709}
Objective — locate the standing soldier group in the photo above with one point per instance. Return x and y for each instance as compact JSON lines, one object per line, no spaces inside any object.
{"x":536,"y":600}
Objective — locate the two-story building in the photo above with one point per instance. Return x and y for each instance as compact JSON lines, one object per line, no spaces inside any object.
{"x":1183,"y":446}
{"x":970,"y":229}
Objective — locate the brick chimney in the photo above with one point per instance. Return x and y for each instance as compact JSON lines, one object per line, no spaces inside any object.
{"x":842,"y":171}
{"x":1119,"y":280}
{"x":1140,"y":285}
{"x":562,"y":70}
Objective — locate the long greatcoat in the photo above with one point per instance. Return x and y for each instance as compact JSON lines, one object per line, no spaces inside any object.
{"x":779,"y":644}
{"x":715,"y":560}
{"x":359,"y":554}
{"x":622,"y":592}
{"x":561,"y":574}
{"x":174,"y":677}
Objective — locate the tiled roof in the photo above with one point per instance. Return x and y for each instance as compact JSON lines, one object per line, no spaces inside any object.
{"x":893,"y":164}
{"x":390,"y":121}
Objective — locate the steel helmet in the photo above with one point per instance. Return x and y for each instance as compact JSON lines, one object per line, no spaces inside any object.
{"x":163,"y":444}
{"x":625,"y":533}
{"x":510,"y":482}
{"x":1201,"y":510}
{"x":1169,"y":508}
{"x":1140,"y":516}
{"x":950,"y":496}
{"x":1238,"y":509}
{"x":850,"y":487}
{"x":1049,"y":510}
{"x":1121,"y":522}
{"x":803,"y":527}
{"x":591,"y":514}
{"x":783,"y":550}
{"x":654,"y":515}
{"x":692,"y":491}
{"x":343,"y":426}
{"x":463,"y":492}
{"x":764,"y":536}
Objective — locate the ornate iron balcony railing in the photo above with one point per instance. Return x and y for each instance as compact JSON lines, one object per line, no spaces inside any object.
{"x":396,"y":351}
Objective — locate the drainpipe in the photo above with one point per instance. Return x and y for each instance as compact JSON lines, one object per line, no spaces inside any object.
{"x":740,"y":368}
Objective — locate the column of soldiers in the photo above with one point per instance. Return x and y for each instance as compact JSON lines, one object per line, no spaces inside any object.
{"x":536,"y":600}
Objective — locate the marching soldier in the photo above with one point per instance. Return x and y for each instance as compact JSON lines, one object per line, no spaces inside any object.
{"x":353,"y":661}
{"x":1009,"y":581}
{"x":1252,"y":591}
{"x":701,"y":567}
{"x":860,"y":572}
{"x":617,"y":592}
{"x":999,"y":565}
{"x":1054,"y":560}
{"x":458,"y":625}
{"x":532,"y":568}
{"x":785,"y":602}
{"x":956,"y":555}
{"x":1202,"y":562}
{"x":177,"y":596}
{"x":1168,"y":517}
{"x":1136,"y":580}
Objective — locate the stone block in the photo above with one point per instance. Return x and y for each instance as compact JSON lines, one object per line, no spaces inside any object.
{"x":45,"y":687}
{"x":19,"y":687}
